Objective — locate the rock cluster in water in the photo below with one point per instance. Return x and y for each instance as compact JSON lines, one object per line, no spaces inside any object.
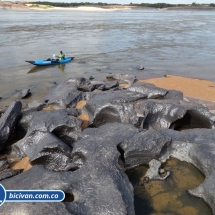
{"x":140,"y":123}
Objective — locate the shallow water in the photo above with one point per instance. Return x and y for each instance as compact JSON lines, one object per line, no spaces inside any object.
{"x":169,"y":197}
{"x":165,"y":42}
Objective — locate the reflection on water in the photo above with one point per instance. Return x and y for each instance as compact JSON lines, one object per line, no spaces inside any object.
{"x":42,"y":68}
{"x":62,"y":67}
{"x":170,"y":196}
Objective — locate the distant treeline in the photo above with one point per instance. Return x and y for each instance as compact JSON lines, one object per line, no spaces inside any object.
{"x":156,"y":5}
{"x":164,"y":5}
{"x":72,"y":4}
{"x":75,"y":4}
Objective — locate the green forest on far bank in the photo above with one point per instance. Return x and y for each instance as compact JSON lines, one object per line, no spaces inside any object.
{"x":156,"y":5}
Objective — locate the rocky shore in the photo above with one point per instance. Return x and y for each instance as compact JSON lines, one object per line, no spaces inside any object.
{"x":73,"y":139}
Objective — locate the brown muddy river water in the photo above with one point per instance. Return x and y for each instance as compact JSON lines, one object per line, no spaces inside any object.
{"x":165,"y":42}
{"x":168,"y":197}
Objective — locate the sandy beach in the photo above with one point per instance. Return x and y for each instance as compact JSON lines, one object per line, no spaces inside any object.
{"x":201,"y":89}
{"x":11,"y":5}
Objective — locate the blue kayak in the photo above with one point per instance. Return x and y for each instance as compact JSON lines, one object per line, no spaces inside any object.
{"x":50,"y":61}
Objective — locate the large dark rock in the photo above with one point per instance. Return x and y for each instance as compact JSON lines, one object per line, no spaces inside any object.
{"x":25,"y":93}
{"x":45,"y":148}
{"x":97,"y":159}
{"x":122,"y":78}
{"x":60,"y":122}
{"x":196,"y":146}
{"x":158,"y":114}
{"x":143,"y":147}
{"x":109,"y":85}
{"x":34,"y":208}
{"x":49,"y":138}
{"x":173,"y":95}
{"x":36,"y":105}
{"x":112,"y":107}
{"x":37,"y":178}
{"x":77,"y":81}
{"x":87,"y":87}
{"x":8,"y":121}
{"x":209,"y":104}
{"x":9,"y":173}
{"x":100,"y":85}
{"x":150,"y":90}
{"x":98,"y":184}
{"x":65,"y":94}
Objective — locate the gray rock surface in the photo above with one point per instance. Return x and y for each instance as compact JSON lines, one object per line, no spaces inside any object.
{"x":4,"y":163}
{"x":174,"y":95}
{"x":143,"y":147}
{"x":34,"y":208}
{"x":59,"y":122}
{"x":8,"y":121}
{"x":86,"y":164}
{"x":45,"y":148}
{"x":122,"y":78}
{"x":65,"y":95}
{"x":49,"y":138}
{"x":37,"y":178}
{"x":25,"y":93}
{"x":158,"y":114}
{"x":98,"y":85}
{"x":36,"y":105}
{"x":150,"y":90}
{"x":195,"y":146}
{"x":153,"y":171}
{"x":112,"y":107}
{"x":98,"y":184}
{"x":9,"y":173}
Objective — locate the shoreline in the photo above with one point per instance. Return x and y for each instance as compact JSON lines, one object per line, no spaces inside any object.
{"x":18,"y":6}
{"x":192,"y":88}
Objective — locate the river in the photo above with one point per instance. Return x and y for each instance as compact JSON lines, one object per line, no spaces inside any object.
{"x":178,"y":42}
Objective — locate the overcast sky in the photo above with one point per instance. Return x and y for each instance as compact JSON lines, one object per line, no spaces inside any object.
{"x":138,"y":1}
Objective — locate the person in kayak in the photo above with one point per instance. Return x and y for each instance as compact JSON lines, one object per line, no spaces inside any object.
{"x":61,"y":56}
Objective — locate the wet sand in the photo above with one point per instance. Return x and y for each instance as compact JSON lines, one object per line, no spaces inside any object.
{"x":22,"y":164}
{"x":81,"y":104}
{"x":83,"y":116}
{"x":201,"y":89}
{"x":85,"y":119}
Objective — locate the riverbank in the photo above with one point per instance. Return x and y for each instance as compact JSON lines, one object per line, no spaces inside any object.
{"x":191,"y":87}
{"x":21,"y":5}
{"x":12,"y":5}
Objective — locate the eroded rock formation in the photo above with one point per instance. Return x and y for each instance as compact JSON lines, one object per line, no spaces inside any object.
{"x":142,"y":124}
